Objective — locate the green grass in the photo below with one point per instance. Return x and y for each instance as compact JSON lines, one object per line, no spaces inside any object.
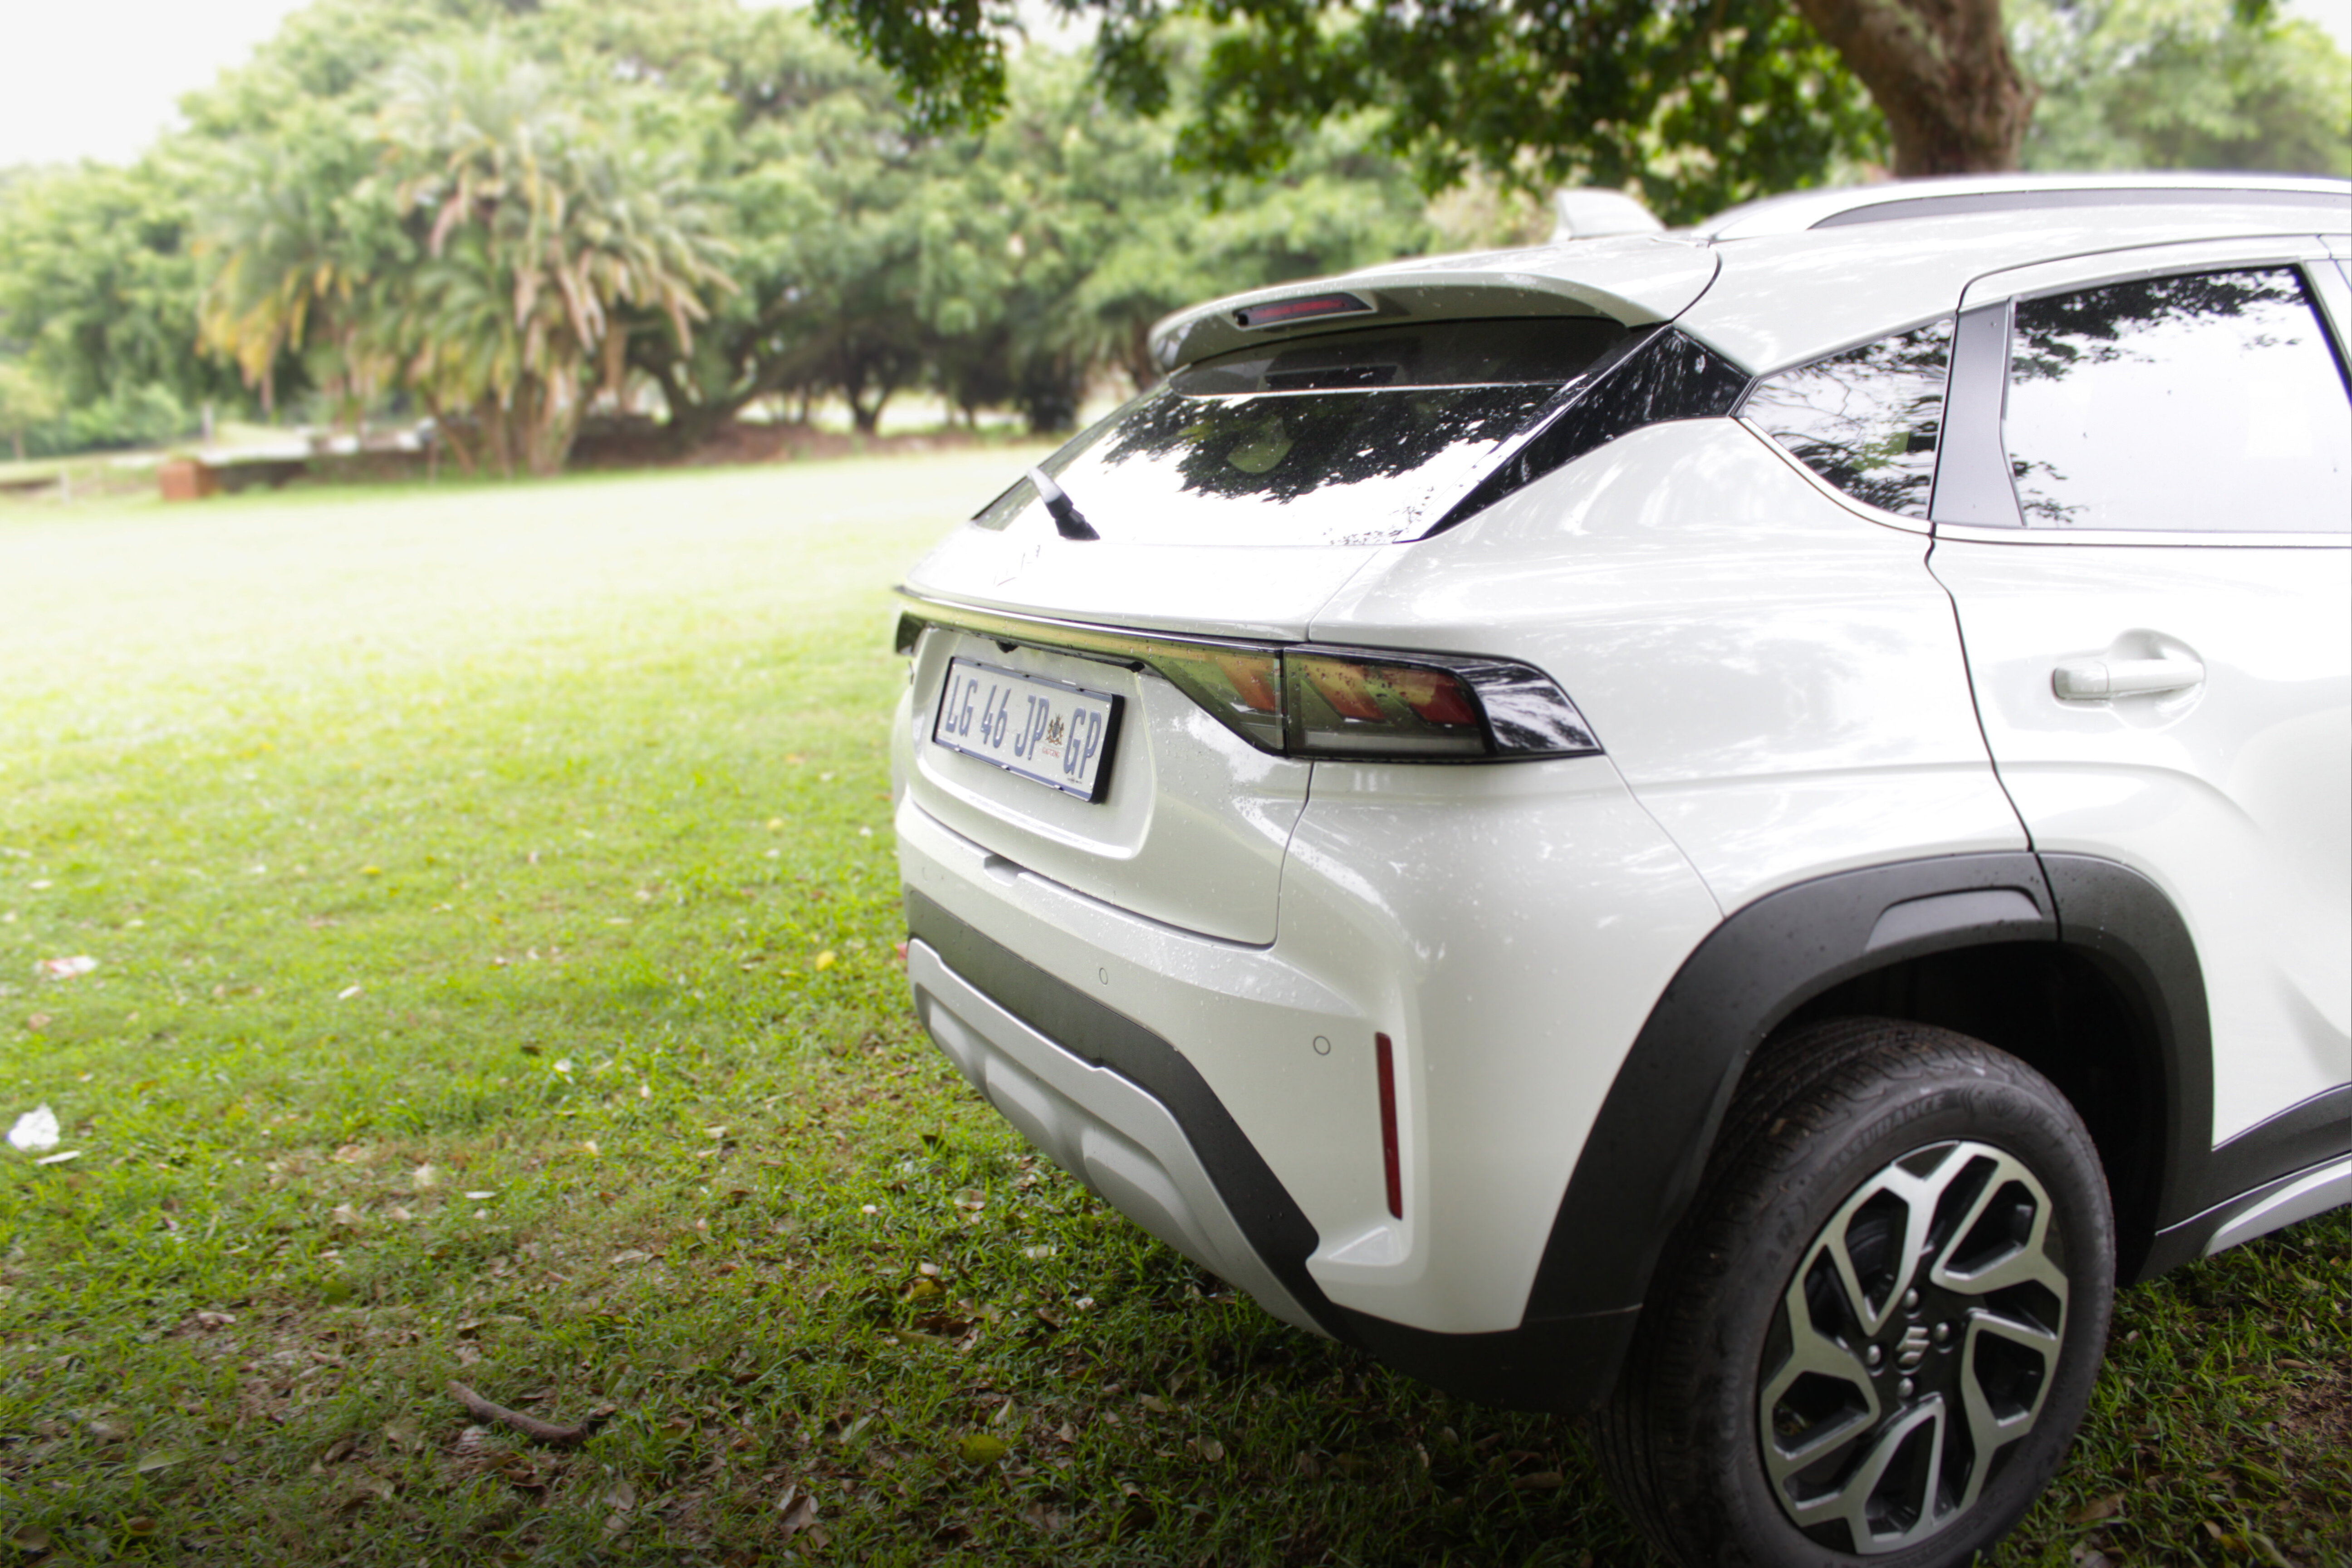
{"x":534,"y":843}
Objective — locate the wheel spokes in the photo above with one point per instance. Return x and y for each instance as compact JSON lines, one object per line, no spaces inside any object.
{"x":1951,"y":1234}
{"x":1889,"y":1497}
{"x":1798,"y":1434}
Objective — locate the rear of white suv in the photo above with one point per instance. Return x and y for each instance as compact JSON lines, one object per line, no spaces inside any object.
{"x":1416,"y":809}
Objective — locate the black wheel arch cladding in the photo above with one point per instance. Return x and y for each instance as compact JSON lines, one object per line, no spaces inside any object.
{"x":1641,"y":1163}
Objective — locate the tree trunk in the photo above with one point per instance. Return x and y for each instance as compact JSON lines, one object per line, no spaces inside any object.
{"x":1941,"y":73}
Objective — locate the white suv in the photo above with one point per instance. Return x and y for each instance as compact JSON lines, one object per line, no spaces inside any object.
{"x":1725,"y":830}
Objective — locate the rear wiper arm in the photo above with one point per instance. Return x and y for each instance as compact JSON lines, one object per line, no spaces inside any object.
{"x":1068,"y":521}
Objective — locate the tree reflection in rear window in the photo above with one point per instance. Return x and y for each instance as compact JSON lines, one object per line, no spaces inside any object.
{"x":1354,"y":438}
{"x":1866,"y":419}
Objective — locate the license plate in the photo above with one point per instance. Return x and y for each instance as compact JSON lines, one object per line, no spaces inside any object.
{"x":1047,"y":731}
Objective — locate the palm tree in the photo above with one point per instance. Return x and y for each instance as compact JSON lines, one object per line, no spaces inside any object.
{"x":545,"y":244}
{"x":294,"y":283}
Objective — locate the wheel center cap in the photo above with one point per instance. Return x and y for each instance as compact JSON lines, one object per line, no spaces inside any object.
{"x":1913,"y":1348}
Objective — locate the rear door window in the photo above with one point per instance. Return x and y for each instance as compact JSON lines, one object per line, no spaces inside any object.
{"x":1354,"y":438}
{"x":1865,"y":419}
{"x":2205,"y":401}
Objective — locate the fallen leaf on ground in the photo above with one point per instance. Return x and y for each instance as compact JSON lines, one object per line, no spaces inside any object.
{"x":164,"y":1458}
{"x":798,"y":1515}
{"x":978,"y":1448}
{"x":64,"y":968}
{"x":1212,"y":1450}
{"x":1541,"y":1481}
{"x":2105,"y":1508}
{"x":425,"y":1178}
{"x":343,"y":1214}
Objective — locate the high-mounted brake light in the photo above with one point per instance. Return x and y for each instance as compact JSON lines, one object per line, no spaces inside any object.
{"x":1305,"y":308}
{"x":1314,"y":700}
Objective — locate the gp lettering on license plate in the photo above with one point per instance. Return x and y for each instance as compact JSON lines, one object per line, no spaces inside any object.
{"x":1048,"y":731}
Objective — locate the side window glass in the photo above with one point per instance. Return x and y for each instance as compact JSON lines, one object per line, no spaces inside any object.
{"x":2209,"y":401}
{"x":1865,"y":420}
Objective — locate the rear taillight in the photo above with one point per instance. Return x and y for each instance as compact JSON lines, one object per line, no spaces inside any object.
{"x":1314,"y":700}
{"x":1353,"y":707}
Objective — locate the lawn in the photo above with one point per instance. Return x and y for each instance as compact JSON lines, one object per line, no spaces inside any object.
{"x":493,"y":909}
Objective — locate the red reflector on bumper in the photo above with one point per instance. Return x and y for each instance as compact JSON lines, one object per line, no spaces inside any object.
{"x":1390,"y":1166}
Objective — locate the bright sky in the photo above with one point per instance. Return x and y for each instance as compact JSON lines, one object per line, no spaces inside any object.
{"x":98,"y":79}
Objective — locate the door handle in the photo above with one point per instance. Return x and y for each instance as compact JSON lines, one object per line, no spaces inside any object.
{"x":2083,"y":679}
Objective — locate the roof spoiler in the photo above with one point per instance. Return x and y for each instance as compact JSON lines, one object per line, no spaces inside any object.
{"x":1636,"y":280}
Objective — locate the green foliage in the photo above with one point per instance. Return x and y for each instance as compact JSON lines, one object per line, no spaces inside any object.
{"x":1697,"y":106}
{"x":98,"y":290}
{"x":480,"y":240}
{"x":26,"y":400}
{"x":504,"y":214}
{"x":2182,"y":84}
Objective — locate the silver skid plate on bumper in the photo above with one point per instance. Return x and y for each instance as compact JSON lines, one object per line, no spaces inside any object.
{"x":1102,"y":1129}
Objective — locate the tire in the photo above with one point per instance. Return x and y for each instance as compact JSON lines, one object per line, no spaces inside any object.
{"x":1915,"y":1412}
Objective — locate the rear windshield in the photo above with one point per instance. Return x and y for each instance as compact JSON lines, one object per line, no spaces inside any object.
{"x":1354,"y":437}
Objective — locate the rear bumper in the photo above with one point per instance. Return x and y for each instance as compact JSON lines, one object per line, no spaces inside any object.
{"x":1120,"y":1108}
{"x":1086,"y":1104}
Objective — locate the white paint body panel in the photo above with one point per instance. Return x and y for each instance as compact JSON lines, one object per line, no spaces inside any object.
{"x":1778,"y":680}
{"x":1783,"y":301}
{"x":1509,"y":929}
{"x":1511,"y":981}
{"x":1799,"y":211}
{"x":2234,"y":797}
{"x":1190,"y":831}
{"x":1271,"y":591}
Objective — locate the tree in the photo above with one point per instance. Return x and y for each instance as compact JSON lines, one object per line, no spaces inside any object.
{"x":540,"y":233}
{"x":98,"y":293}
{"x":25,"y":400}
{"x":2182,"y":84}
{"x":1697,"y":103}
{"x":476,"y":241}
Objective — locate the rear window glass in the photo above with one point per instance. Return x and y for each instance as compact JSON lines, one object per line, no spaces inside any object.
{"x":1354,"y":438}
{"x":1866,"y":419}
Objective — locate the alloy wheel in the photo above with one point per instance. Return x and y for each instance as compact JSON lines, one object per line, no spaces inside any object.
{"x":1915,"y":1342}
